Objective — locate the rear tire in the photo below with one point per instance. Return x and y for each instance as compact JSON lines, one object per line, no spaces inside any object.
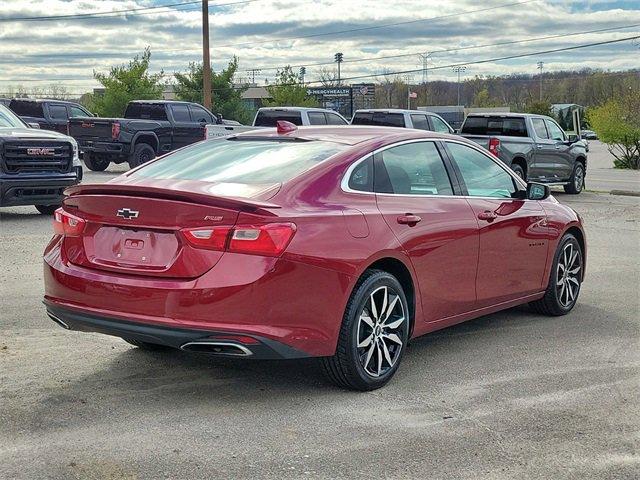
{"x":94,"y":163}
{"x":370,"y":344}
{"x":567,"y":272}
{"x":142,"y":153}
{"x":153,"y":347}
{"x":576,"y":183}
{"x":518,"y":170}
{"x":47,"y":209}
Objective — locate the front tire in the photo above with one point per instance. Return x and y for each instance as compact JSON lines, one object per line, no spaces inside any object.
{"x":519,"y":171}
{"x":373,"y":335}
{"x":95,"y":163}
{"x":47,"y":209}
{"x":576,"y":182}
{"x":142,"y":153}
{"x":565,"y":279}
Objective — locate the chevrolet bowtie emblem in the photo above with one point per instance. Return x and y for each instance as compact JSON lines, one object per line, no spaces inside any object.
{"x":127,"y":213}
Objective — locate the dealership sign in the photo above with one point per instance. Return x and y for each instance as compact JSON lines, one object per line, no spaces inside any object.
{"x":330,"y":91}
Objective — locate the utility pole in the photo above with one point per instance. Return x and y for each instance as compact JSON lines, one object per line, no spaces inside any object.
{"x":206,"y":60}
{"x":458,"y":70}
{"x":302,"y":73}
{"x":253,"y":72}
{"x":338,"y":59}
{"x":540,"y":67}
{"x":425,"y":73}
{"x":408,"y":92}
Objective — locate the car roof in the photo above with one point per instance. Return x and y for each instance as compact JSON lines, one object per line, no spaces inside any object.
{"x":41,"y":100}
{"x":346,"y":134}
{"x":392,"y":110}
{"x":163,"y":102}
{"x":298,"y":109}
{"x":504,"y":114}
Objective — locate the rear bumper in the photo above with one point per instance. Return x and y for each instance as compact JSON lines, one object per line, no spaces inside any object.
{"x":31,"y":190}
{"x":109,"y":148}
{"x":253,"y":347}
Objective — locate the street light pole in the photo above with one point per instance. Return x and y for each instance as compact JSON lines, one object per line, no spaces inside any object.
{"x":338,"y":59}
{"x":540,"y":67}
{"x":458,"y":70}
{"x":206,"y":60}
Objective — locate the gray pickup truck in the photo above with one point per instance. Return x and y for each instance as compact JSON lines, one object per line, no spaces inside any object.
{"x":534,"y":146}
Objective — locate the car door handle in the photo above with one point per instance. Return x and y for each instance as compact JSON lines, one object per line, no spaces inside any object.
{"x":487,"y":215}
{"x":408,"y":219}
{"x":557,"y":147}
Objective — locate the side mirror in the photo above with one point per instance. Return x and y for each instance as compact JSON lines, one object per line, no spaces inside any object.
{"x":537,"y":191}
{"x":34,"y":125}
{"x":573,"y":138}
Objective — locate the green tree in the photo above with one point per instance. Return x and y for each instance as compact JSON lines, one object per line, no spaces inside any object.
{"x":288,"y":91}
{"x":617,"y":123}
{"x":125,"y":83}
{"x":539,"y":108}
{"x":227,"y":99}
{"x":482,"y":99}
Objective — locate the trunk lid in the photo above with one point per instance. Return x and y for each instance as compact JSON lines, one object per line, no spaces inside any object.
{"x":136,"y":230}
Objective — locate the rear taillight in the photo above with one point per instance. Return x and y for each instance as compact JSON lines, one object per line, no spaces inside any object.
{"x":66,"y":224}
{"x":115,"y":130}
{"x":494,"y":146}
{"x":269,"y":240}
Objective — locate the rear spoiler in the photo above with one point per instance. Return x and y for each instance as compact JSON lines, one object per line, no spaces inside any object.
{"x":245,"y":204}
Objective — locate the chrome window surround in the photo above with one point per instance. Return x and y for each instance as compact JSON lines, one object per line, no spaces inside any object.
{"x":344,"y":184}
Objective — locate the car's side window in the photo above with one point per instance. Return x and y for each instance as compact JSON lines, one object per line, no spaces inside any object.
{"x":180,"y":113}
{"x":58,"y":112}
{"x":77,"y":112}
{"x":540,"y":129}
{"x":419,"y":121}
{"x":555,"y":132}
{"x":439,"y":125}
{"x":200,"y":115}
{"x":482,"y":176}
{"x":361,"y":178}
{"x":333,"y":119}
{"x":317,"y":118}
{"x":412,"y":169}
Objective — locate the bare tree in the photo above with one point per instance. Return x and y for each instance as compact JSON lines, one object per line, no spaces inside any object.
{"x":328,"y":77}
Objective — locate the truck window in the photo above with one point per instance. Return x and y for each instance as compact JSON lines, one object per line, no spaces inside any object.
{"x":439,"y":125}
{"x":180,"y":113}
{"x":27,"y":109}
{"x":58,"y":112}
{"x":506,"y":126}
{"x":555,"y":132}
{"x":362,"y":118}
{"x":268,"y":118}
{"x":382,"y":119}
{"x":539,"y":128}
{"x":77,"y":112}
{"x":146,"y":111}
{"x":317,"y":118}
{"x":419,"y":122}
{"x":199,"y":114}
{"x":333,"y":119}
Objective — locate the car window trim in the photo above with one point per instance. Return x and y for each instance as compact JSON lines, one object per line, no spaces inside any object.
{"x":344,"y":183}
{"x":518,"y":181}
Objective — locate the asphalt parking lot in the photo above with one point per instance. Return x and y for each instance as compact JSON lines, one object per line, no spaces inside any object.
{"x":510,"y":395}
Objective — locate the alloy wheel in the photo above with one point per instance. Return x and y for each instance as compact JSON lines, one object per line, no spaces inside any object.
{"x":568,"y":275}
{"x":381,"y":327}
{"x":578,"y":179}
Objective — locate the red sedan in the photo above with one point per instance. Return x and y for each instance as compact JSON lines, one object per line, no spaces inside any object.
{"x":333,"y":242}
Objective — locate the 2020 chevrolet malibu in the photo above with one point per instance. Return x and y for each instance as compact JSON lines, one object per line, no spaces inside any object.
{"x":333,"y":242}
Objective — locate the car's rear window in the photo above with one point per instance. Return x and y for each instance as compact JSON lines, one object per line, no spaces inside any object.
{"x":507,"y":126}
{"x":146,"y":111}
{"x":380,"y":119}
{"x":246,"y":161}
{"x":268,"y":118}
{"x":27,"y":109}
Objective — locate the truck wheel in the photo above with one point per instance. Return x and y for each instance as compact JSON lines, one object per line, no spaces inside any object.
{"x":576,"y":183}
{"x":518,"y":170}
{"x":47,"y":209}
{"x":95,"y":163}
{"x":142,"y":153}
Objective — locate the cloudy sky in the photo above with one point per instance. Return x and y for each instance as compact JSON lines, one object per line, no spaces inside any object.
{"x":267,"y":34}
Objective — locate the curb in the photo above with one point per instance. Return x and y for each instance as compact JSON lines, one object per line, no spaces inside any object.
{"x":627,"y":193}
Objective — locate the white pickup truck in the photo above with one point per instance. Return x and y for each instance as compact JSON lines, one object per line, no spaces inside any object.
{"x":267,"y":117}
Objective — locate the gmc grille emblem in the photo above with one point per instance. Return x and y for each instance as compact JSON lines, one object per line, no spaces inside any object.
{"x":127,"y":213}
{"x":41,"y":151}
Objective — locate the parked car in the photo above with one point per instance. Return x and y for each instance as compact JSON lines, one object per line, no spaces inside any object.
{"x":5,"y":101}
{"x":589,"y":135}
{"x":35,"y":165}
{"x":534,"y":146}
{"x":149,"y":128}
{"x":269,"y":116}
{"x":48,"y":114}
{"x":401,"y":118}
{"x":333,"y":242}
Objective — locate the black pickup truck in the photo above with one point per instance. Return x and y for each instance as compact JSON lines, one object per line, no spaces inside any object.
{"x":35,"y":165}
{"x":149,"y":128}
{"x":48,"y":114}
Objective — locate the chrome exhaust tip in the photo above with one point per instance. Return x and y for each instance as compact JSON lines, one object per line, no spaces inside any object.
{"x":217,"y":348}
{"x":58,"y":321}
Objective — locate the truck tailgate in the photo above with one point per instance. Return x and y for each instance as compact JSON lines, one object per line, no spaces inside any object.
{"x":91,"y":128}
